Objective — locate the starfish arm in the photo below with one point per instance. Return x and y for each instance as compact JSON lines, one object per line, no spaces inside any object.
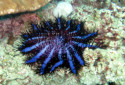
{"x":78,"y":28}
{"x":77,"y":55}
{"x":70,"y":61}
{"x":27,"y":49}
{"x":34,"y":59}
{"x":59,"y":23}
{"x":68,"y":25}
{"x":34,"y":27}
{"x":25,"y":36}
{"x":47,"y":60}
{"x":47,"y":23}
{"x":83,"y":45}
{"x":33,"y":38}
{"x":86,"y":36}
{"x":58,"y":63}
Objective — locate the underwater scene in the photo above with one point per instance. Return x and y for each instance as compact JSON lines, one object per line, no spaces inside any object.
{"x":62,"y":42}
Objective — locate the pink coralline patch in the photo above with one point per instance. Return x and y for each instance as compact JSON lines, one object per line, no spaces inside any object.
{"x":76,"y":3}
{"x":31,"y":17}
{"x":13,"y":25}
{"x":10,"y":26}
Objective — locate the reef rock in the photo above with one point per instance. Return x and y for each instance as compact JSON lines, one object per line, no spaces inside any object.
{"x":16,"y":6}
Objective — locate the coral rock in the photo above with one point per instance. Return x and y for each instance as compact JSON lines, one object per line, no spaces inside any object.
{"x":16,"y":6}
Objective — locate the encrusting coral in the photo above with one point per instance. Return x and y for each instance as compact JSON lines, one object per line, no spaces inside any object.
{"x":62,"y":9}
{"x":16,"y":6}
